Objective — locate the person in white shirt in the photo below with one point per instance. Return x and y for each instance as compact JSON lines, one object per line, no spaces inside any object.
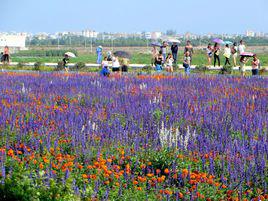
{"x":241,"y":47}
{"x":169,"y":63}
{"x":227,"y":54}
{"x":115,"y":64}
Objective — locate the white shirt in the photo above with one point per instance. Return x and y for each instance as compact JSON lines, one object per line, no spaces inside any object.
{"x":227,"y":52}
{"x":115,"y":63}
{"x":105,"y":64}
{"x":241,"y":48}
{"x":170,"y":62}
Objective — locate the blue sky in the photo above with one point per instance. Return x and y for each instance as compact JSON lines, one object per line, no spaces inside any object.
{"x":198,"y":16}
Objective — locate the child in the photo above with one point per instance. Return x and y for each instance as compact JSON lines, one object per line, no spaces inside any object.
{"x":105,"y":67}
{"x":255,"y":65}
{"x":169,"y":62}
{"x":187,"y":62}
{"x":115,"y":64}
{"x":209,"y":54}
{"x":243,"y":61}
{"x":65,"y":62}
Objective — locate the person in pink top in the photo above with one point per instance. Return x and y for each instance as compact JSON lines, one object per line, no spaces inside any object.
{"x":6,"y":57}
{"x":255,"y":65}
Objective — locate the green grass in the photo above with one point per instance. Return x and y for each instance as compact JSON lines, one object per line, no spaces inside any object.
{"x":199,"y":58}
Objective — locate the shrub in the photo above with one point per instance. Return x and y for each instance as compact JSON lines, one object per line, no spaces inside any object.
{"x":20,"y":65}
{"x":79,"y":66}
{"x":201,"y":68}
{"x":60,"y":66}
{"x":37,"y":66}
{"x":226,"y":70}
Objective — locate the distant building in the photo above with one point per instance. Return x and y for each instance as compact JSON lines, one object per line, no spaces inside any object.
{"x":148,"y":35}
{"x":156,"y":35}
{"x":90,"y":34}
{"x":13,"y":41}
{"x":250,"y":33}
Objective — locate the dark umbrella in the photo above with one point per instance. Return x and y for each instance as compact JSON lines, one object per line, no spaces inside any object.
{"x":122,"y":54}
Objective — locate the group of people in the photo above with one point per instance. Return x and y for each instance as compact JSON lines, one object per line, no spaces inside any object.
{"x":118,"y":65}
{"x":163,"y":60}
{"x":234,"y":51}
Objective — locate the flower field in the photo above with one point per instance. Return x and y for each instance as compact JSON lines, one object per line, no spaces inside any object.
{"x":85,"y":137}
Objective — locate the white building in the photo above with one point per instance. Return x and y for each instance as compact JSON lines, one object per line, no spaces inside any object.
{"x":156,"y":35}
{"x":13,"y":41}
{"x":250,"y":33}
{"x":90,"y":33}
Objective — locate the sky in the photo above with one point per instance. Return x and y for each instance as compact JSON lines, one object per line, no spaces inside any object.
{"x":196,"y":16}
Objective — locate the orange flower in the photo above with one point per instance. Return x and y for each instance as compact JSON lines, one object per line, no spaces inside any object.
{"x":166,"y":171}
{"x":224,"y":186}
{"x":158,"y":171}
{"x":139,"y":188}
{"x":117,"y":184}
{"x":150,"y":175}
{"x":10,"y":152}
{"x":84,"y":176}
{"x":41,"y":166}
{"x":107,"y":182}
{"x":180,"y":195}
{"x":135,"y":182}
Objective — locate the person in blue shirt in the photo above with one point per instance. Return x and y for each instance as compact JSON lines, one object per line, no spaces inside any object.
{"x":99,"y":54}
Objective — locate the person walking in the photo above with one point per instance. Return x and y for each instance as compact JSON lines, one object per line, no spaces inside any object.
{"x":234,"y":53}
{"x":209,"y":53}
{"x":105,"y":67}
{"x":65,"y":61}
{"x":255,"y":65}
{"x":187,"y":63}
{"x":174,"y":50}
{"x":6,"y":57}
{"x":189,"y":48}
{"x":227,"y":54}
{"x":241,"y":47}
{"x":217,"y":54}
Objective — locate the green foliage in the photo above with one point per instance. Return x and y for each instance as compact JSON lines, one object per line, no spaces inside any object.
{"x":60,"y":66}
{"x":79,"y":66}
{"x":226,"y":70}
{"x":20,"y":65}
{"x":201,"y":68}
{"x":37,"y":66}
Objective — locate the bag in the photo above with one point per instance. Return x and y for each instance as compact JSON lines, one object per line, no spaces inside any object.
{"x":233,"y":50}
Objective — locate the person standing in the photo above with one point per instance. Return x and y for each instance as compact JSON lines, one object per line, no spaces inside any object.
{"x":65,"y":61}
{"x":105,"y":67}
{"x":189,"y":48}
{"x":209,"y":54}
{"x":234,"y":53}
{"x":154,"y":55}
{"x":255,"y":65}
{"x":187,"y":63}
{"x":169,"y":63}
{"x":227,"y":54}
{"x":217,"y":54}
{"x":241,"y":47}
{"x":174,"y":50}
{"x":6,"y":57}
{"x":164,"y":51}
{"x":159,"y":61}
{"x":115,"y":64}
{"x":99,"y":54}
{"x":243,"y":61}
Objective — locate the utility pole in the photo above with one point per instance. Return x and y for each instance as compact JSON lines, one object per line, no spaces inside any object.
{"x":91,"y":45}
